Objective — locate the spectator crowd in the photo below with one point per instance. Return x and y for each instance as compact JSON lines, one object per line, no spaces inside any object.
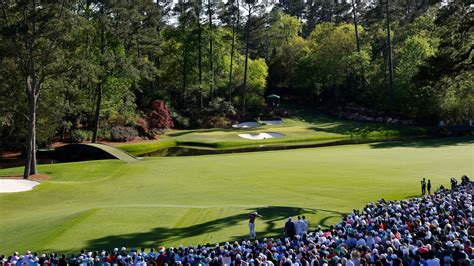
{"x":436,"y":229}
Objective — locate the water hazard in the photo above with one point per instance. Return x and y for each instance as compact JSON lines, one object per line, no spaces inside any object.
{"x":196,"y":151}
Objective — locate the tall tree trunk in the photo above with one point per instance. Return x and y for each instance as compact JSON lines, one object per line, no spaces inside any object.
{"x":32,"y":91}
{"x":185,"y":72}
{"x":97,"y":112}
{"x":201,"y":93}
{"x":247,"y":44}
{"x":390,"y":60}
{"x":231,"y":62}
{"x":30,"y":160}
{"x":363,"y":80}
{"x":235,"y":24}
{"x":356,"y":30}
{"x":156,"y":81}
{"x":211,"y":53}
{"x":100,"y":86}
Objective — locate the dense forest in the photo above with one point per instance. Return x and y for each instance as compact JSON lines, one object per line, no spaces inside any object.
{"x":102,"y":69}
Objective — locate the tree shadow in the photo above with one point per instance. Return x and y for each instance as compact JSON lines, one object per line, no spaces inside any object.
{"x":370,"y":130}
{"x":272,"y":217}
{"x":347,"y":129}
{"x":324,"y":222}
{"x":426,"y":143}
{"x":352,"y":128}
{"x":334,"y":125}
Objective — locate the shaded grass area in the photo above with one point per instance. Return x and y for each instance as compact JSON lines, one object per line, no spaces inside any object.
{"x":433,"y":143}
{"x":354,"y":128}
{"x":272,"y":217}
{"x":200,"y":199}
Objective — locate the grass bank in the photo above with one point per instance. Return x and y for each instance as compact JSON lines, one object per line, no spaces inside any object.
{"x":298,"y":130}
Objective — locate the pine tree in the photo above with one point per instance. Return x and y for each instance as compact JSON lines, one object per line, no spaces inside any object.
{"x":33,"y":36}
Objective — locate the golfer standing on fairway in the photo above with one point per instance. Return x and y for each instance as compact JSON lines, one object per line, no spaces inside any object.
{"x":252,"y":216}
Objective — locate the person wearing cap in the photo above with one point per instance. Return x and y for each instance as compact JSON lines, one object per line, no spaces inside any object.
{"x":14,"y":258}
{"x":252,"y":217}
{"x":161,"y":258}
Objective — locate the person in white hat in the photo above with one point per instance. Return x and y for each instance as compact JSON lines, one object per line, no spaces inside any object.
{"x":252,"y":217}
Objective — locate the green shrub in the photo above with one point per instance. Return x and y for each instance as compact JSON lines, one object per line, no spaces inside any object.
{"x":216,"y":122}
{"x":104,"y":133}
{"x":79,"y":135}
{"x":180,"y":121}
{"x":120,"y":133}
{"x":220,"y":107}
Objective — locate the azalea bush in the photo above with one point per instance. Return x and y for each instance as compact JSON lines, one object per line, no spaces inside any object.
{"x":159,"y":117}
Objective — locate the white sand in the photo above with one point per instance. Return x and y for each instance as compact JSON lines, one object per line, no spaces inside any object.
{"x":261,"y":136}
{"x":255,"y":124}
{"x":247,"y":125}
{"x":273,"y":122}
{"x":16,"y":185}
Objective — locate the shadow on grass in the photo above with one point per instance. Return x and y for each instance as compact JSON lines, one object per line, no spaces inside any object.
{"x":324,"y":222}
{"x":272,"y":218}
{"x":375,"y":130}
{"x":430,"y":143}
{"x":351,"y":130}
{"x":347,"y":127}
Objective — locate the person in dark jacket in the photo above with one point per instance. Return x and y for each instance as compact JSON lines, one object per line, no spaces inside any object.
{"x":454,"y":183}
{"x":290,"y":229}
{"x":62,"y":261}
{"x":423,"y":186}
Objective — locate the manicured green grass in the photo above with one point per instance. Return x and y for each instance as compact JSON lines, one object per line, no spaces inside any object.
{"x":301,"y":128}
{"x":195,"y":200}
{"x":147,"y":146}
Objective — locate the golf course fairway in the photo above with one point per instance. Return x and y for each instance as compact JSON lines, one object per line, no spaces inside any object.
{"x":200,"y":199}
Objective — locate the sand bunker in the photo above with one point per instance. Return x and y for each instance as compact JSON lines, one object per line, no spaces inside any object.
{"x":15,"y":185}
{"x":261,"y":136}
{"x":247,"y":125}
{"x":272,"y":122}
{"x":256,"y":124}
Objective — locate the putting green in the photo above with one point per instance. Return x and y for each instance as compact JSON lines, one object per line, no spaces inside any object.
{"x":193,"y":200}
{"x":303,"y":128}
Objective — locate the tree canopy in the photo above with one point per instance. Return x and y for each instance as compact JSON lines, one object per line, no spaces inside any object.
{"x":93,"y":65}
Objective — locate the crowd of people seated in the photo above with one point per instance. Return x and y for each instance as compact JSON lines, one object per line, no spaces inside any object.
{"x":436,"y":229}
